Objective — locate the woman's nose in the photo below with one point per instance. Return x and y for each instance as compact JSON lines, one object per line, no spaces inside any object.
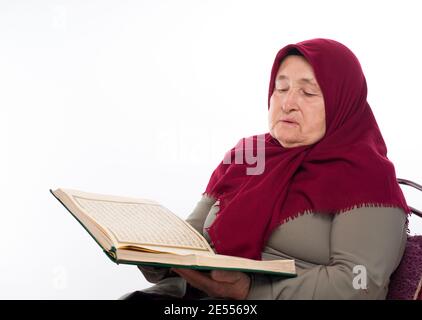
{"x":290,"y":103}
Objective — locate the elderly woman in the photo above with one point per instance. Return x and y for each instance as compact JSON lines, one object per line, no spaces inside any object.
{"x":328,"y":196}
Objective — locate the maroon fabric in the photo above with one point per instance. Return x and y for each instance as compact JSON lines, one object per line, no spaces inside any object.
{"x":406,"y":280}
{"x":348,"y":167}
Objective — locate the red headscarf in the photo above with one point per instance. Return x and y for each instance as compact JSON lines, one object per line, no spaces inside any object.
{"x":347,"y":168}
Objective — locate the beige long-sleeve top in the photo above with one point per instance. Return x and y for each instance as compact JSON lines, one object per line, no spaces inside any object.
{"x":350,"y":255}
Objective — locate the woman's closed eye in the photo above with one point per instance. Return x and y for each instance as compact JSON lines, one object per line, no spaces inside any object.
{"x":308,"y":94}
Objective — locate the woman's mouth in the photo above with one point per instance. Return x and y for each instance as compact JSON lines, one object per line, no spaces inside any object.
{"x":289,"y":123}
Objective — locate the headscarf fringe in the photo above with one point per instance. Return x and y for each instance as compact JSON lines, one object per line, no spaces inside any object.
{"x":327,"y":211}
{"x":348,"y":209}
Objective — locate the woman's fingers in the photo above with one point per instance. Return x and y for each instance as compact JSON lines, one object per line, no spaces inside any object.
{"x":198,"y":280}
{"x":226,"y":276}
{"x":220,"y":283}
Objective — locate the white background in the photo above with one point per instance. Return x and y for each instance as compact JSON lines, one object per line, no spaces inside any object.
{"x":142,"y":98}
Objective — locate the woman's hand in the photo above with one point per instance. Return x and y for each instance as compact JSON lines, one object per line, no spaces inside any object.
{"x":219,"y":283}
{"x":154,"y":274}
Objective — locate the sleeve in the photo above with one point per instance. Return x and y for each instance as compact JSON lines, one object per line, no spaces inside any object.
{"x":195,"y":219}
{"x":366,"y":246}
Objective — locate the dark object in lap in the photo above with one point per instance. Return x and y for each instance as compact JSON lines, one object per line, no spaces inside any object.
{"x":191,"y":294}
{"x":139,"y":295}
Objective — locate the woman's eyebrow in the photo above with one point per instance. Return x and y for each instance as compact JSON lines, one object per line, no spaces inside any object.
{"x":303,"y":80}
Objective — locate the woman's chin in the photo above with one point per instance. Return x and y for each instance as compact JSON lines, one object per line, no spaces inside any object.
{"x":286,"y":137}
{"x":288,"y":143}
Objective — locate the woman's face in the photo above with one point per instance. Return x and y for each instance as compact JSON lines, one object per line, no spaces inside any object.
{"x":298,"y":98}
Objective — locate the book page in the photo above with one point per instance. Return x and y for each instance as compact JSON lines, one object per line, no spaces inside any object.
{"x":142,"y":223}
{"x":283,"y":267}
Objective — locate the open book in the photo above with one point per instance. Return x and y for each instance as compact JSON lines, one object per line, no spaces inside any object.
{"x":143,"y":232}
